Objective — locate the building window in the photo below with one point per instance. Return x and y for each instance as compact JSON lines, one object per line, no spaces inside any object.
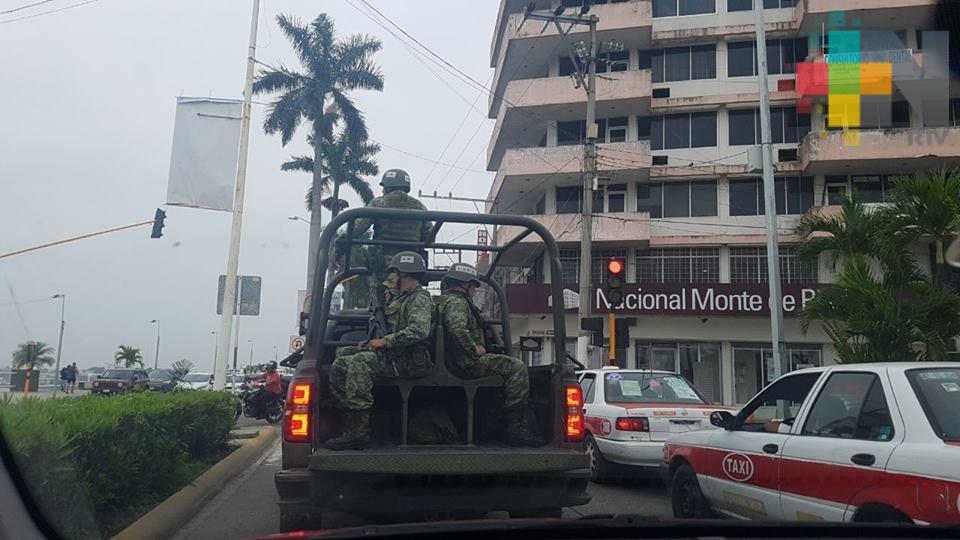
{"x":872,"y":188}
{"x":879,"y":114}
{"x":699,"y":363}
{"x":691,"y":130}
{"x":786,"y":126}
{"x":569,"y":199}
{"x":610,"y":198}
{"x":955,"y":112}
{"x":678,"y":199}
{"x":678,"y":265}
{"x":609,"y":130}
{"x":753,"y":367}
{"x":599,"y":260}
{"x":747,"y":5}
{"x":748,"y":264}
{"x":683,"y":63}
{"x":570,"y":265}
{"x":782,"y":56}
{"x":794,"y":196}
{"x":608,"y":62}
{"x":672,"y":8}
{"x":836,"y":187}
{"x":541,"y":207}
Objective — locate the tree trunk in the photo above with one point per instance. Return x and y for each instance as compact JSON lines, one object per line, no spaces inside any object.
{"x":332,"y":266}
{"x":315,"y":213}
{"x":938,"y":277}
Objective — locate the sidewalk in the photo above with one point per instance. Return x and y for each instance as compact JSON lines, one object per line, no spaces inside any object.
{"x":43,"y":394}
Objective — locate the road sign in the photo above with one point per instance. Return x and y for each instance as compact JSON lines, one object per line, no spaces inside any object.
{"x":249,"y":291}
{"x":296,"y":342}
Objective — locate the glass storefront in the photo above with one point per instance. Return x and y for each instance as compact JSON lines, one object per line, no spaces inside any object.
{"x":753,"y":366}
{"x":697,"y":362}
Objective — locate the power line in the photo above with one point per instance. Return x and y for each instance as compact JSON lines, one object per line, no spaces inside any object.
{"x":42,"y":13}
{"x":423,"y":182}
{"x":431,"y":160}
{"x":28,"y":6}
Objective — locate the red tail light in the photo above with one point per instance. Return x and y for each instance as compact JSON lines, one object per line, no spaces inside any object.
{"x":296,"y":415}
{"x":633,"y":424}
{"x":574,"y":413}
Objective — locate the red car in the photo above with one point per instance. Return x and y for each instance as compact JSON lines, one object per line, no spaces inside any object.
{"x":118,"y":381}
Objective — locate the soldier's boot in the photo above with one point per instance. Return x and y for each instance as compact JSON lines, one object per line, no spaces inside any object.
{"x":518,"y":431}
{"x":355,"y":434}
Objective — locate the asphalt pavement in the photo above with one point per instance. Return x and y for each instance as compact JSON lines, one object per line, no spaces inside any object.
{"x":247,"y":506}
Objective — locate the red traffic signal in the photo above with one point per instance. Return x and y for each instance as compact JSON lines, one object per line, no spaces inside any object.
{"x":615,"y":266}
{"x":615,"y":280}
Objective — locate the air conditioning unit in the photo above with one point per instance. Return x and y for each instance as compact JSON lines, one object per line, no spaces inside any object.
{"x":659,"y":160}
{"x":787,"y":154}
{"x":661,"y":92}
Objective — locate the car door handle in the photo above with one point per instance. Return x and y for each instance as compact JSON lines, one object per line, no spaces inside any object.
{"x":866,"y":460}
{"x":771,"y":448}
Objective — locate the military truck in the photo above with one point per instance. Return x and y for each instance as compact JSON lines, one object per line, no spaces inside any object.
{"x":395,"y":479}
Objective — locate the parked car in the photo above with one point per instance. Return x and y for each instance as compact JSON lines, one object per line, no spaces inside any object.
{"x":856,"y":442}
{"x":196,"y":381}
{"x":119,"y":381}
{"x":86,"y":377}
{"x":629,"y":413}
{"x":161,"y":380}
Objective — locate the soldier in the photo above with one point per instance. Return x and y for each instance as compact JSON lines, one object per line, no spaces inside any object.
{"x":410,"y":318}
{"x":467,"y":357}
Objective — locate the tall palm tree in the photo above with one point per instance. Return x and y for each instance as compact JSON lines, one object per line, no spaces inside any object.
{"x":128,"y":356}
{"x":851,"y":233}
{"x":332,"y":67}
{"x":33,"y":353}
{"x":343,"y":162}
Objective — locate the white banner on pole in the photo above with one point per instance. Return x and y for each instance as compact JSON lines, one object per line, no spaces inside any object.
{"x":203,"y":162}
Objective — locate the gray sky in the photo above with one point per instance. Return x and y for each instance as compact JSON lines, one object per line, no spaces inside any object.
{"x":87,"y":108}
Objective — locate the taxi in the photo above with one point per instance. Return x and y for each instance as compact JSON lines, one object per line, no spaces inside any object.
{"x":629,"y":413}
{"x":851,"y":443}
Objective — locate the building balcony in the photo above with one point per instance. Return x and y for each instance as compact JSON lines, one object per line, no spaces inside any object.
{"x":622,"y":228}
{"x":865,"y":14}
{"x":523,"y":52}
{"x":903,"y":150}
{"x":667,"y":31}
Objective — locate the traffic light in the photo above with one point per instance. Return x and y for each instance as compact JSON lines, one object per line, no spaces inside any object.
{"x":615,"y":279}
{"x":158,"y":218}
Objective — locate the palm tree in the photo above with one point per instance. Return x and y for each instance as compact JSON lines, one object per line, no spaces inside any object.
{"x":128,"y":356}
{"x":33,"y":354}
{"x":343,"y":161}
{"x":180,"y":369}
{"x":851,"y":233}
{"x":318,"y":95}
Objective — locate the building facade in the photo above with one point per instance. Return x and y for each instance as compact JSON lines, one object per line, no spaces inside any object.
{"x":677,"y":112}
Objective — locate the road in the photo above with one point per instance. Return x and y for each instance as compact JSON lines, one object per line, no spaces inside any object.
{"x":247,"y":506}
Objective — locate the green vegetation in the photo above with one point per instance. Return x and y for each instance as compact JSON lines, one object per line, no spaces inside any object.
{"x":884,"y":305}
{"x":128,"y":357}
{"x":33,"y":353}
{"x":94,"y":464}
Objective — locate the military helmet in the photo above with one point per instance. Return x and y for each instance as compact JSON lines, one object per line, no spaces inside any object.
{"x":463,"y":273}
{"x":407,"y":262}
{"x":396,"y":179}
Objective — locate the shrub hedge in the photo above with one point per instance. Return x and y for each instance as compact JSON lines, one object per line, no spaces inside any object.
{"x":92,"y":462}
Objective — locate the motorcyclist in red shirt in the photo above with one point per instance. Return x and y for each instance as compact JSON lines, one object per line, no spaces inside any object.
{"x":271,"y":383}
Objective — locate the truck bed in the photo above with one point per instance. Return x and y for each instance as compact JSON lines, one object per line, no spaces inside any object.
{"x":453,"y":460}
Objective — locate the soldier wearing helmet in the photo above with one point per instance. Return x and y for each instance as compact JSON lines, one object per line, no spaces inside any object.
{"x":467,"y":356}
{"x":410,"y":318}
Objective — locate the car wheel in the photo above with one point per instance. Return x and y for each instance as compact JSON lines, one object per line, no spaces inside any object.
{"x":686,"y":498}
{"x":275,"y":413}
{"x":599,"y":466}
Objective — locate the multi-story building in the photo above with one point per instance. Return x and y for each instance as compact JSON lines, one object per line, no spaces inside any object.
{"x":677,"y":111}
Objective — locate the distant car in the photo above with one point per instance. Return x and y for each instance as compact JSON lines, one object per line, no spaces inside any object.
{"x":196,"y":381}
{"x":630,"y":413}
{"x":234,"y":380}
{"x":161,"y":380}
{"x":119,"y":381}
{"x":86,"y":377}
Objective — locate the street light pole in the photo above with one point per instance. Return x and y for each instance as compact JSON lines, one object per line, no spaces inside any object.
{"x":216,"y":345}
{"x":156,"y":357}
{"x":251,"y":352}
{"x":63,"y":324}
{"x":275,"y":353}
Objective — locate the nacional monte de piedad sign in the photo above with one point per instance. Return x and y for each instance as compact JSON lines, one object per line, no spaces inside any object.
{"x":715,"y":300}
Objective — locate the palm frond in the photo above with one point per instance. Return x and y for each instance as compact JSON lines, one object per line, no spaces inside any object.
{"x":322,"y":36}
{"x":298,"y":163}
{"x":284,"y":115}
{"x":299,"y":36}
{"x":354,"y":123}
{"x":278,"y":80}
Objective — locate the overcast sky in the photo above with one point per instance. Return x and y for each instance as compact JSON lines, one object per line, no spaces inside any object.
{"x":86,"y":124}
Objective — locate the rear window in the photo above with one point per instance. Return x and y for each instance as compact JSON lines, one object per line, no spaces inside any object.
{"x":118,"y":374}
{"x":938,"y":390}
{"x":648,"y":388}
{"x":197,"y":377}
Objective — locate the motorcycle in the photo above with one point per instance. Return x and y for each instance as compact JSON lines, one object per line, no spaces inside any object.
{"x":252,"y":404}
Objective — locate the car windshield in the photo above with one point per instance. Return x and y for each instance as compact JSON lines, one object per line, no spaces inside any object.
{"x":939,"y":393}
{"x":197,"y":377}
{"x":161,"y":374}
{"x":118,"y":374}
{"x":627,"y":387}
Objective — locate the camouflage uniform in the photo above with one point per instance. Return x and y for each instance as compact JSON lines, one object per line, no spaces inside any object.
{"x":463,"y":332}
{"x":410,"y":318}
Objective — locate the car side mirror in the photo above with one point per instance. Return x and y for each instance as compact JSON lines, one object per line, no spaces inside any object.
{"x":722,"y":419}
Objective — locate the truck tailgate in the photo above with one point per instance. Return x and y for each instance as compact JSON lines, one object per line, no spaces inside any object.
{"x":457,"y":460}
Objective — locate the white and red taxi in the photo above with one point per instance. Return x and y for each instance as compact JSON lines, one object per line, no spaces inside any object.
{"x":629,"y":413}
{"x":856,"y":442}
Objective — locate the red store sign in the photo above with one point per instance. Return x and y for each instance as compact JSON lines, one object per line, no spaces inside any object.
{"x":716,"y":300}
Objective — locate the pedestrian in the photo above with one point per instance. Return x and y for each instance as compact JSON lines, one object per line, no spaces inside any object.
{"x":410,"y":318}
{"x":466,"y":353}
{"x":64,"y":377}
{"x":72,"y":376}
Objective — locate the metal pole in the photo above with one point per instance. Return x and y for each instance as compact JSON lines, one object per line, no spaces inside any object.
{"x":156,"y":356}
{"x":251,"y":354}
{"x":612,"y":346}
{"x":236,"y":342}
{"x":56,"y":373}
{"x":769,"y":192}
{"x":216,"y":345}
{"x":74,"y":239}
{"x":233,"y":259}
{"x":589,"y":178}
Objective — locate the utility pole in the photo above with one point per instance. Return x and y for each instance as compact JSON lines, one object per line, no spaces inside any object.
{"x":769,"y":193}
{"x":589,"y":183}
{"x":233,"y":259}
{"x":156,"y":356}
{"x":63,"y":324}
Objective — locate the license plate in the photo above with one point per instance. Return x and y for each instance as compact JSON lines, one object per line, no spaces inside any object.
{"x":107,"y":391}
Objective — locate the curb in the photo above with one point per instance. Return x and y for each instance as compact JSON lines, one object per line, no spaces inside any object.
{"x":169,"y":516}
